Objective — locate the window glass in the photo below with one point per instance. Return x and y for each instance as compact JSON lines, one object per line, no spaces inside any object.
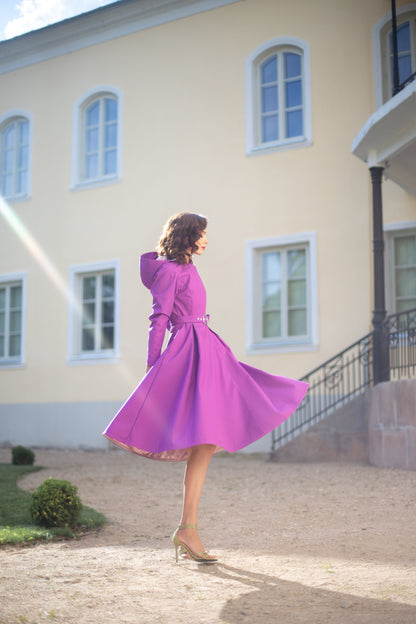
{"x":406,"y":60}
{"x":98,"y":313}
{"x":281,"y":96}
{"x":101,"y":138}
{"x":284,"y":293}
{"x":11,"y":322}
{"x":14,"y":158}
{"x":404,"y":254}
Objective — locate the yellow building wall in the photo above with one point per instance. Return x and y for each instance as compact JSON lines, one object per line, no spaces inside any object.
{"x":184,"y":149}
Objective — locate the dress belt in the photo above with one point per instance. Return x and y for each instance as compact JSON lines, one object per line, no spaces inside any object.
{"x":175,"y":321}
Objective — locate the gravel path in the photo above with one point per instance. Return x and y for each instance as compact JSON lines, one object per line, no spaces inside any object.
{"x":297,"y":543}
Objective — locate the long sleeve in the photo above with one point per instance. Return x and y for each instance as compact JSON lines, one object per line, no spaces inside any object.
{"x":163,"y":290}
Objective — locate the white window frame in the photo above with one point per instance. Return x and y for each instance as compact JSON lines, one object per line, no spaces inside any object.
{"x":254,"y":248}
{"x":390,"y":232}
{"x":14,"y":115}
{"x":78,"y":182}
{"x":253,"y":145}
{"x":381,"y":64}
{"x":11,"y":279}
{"x":74,"y":353}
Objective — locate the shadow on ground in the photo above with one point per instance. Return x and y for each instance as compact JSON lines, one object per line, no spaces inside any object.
{"x":272,"y":600}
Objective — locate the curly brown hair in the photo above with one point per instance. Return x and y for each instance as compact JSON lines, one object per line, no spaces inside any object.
{"x":180,"y":235}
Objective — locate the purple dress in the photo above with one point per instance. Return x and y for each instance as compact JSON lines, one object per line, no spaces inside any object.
{"x":196,"y":392}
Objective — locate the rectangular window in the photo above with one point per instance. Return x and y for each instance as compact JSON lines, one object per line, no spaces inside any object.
{"x":14,"y":159}
{"x":12,"y":313}
{"x":403,"y":271}
{"x":281,"y":289}
{"x":94,"y":312}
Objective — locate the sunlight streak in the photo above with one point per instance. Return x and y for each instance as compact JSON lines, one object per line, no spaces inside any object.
{"x":46,"y":264}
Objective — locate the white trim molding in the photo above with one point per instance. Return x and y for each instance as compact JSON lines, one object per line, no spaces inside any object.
{"x":77,"y":181}
{"x":253,"y":248}
{"x":251,"y":97}
{"x":8,"y":278}
{"x":14,"y":115}
{"x":93,"y":27}
{"x":74,"y":356}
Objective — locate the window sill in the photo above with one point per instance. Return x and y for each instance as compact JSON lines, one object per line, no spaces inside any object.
{"x":279,"y":146}
{"x":9,"y":364}
{"x":98,"y":358}
{"x":280,"y":347}
{"x":96,"y":183}
{"x":14,"y":199}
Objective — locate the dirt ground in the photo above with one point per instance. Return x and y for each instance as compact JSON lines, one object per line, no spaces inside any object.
{"x":297,"y":543}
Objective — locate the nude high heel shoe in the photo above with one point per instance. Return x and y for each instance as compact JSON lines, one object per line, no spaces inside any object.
{"x":200,"y":557}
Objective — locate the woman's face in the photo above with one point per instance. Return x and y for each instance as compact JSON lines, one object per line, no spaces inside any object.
{"x":201,"y":243}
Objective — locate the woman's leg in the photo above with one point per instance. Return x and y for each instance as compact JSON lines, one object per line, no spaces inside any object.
{"x":195,"y":473}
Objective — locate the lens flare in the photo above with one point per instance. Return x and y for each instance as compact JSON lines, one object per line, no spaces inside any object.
{"x":34,"y":249}
{"x":43,"y":260}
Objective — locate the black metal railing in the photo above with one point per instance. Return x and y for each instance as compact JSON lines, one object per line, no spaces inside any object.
{"x":401,"y":329}
{"x":349,"y":373}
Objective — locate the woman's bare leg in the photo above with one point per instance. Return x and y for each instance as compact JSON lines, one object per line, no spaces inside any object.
{"x":195,"y":473}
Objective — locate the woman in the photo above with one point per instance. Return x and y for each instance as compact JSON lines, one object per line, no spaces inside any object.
{"x":196,"y":398}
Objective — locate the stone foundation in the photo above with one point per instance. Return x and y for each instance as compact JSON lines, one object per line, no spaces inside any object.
{"x":392,"y":424}
{"x":378,"y":427}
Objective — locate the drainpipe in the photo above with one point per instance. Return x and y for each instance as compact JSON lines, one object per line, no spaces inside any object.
{"x":381,"y":367}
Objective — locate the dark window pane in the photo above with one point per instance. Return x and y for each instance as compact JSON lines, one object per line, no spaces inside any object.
{"x":294,"y":123}
{"x":110,"y":107}
{"x":405,"y":67}
{"x":8,"y":136}
{"x":108,"y":285}
{"x":110,"y":162}
{"x":23,"y":132}
{"x":294,"y":93}
{"x":15,"y":342}
{"x":107,"y":312}
{"x":92,"y":140}
{"x":87,"y":339}
{"x":111,"y":135}
{"x":15,"y":321}
{"x":268,"y":99}
{"x":269,"y":70}
{"x":88,"y":287}
{"x":107,"y":337}
{"x":403,"y":37}
{"x":92,"y":114}
{"x":16,"y":297}
{"x":270,"y":131}
{"x":292,"y":65}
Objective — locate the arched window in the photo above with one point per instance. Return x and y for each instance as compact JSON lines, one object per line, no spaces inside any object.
{"x":15,"y":150}
{"x":278,"y":96}
{"x":383,"y":50}
{"x":97,"y":138}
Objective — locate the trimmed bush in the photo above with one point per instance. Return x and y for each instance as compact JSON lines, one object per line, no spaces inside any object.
{"x":22,"y":456}
{"x":55,"y":504}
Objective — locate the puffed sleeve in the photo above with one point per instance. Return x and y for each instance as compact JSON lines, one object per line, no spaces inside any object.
{"x":163,"y":290}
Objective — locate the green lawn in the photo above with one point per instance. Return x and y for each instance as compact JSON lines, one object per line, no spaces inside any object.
{"x":16,"y":525}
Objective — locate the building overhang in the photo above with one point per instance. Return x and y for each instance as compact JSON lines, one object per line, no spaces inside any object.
{"x":97,"y":26}
{"x":388,"y":139}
